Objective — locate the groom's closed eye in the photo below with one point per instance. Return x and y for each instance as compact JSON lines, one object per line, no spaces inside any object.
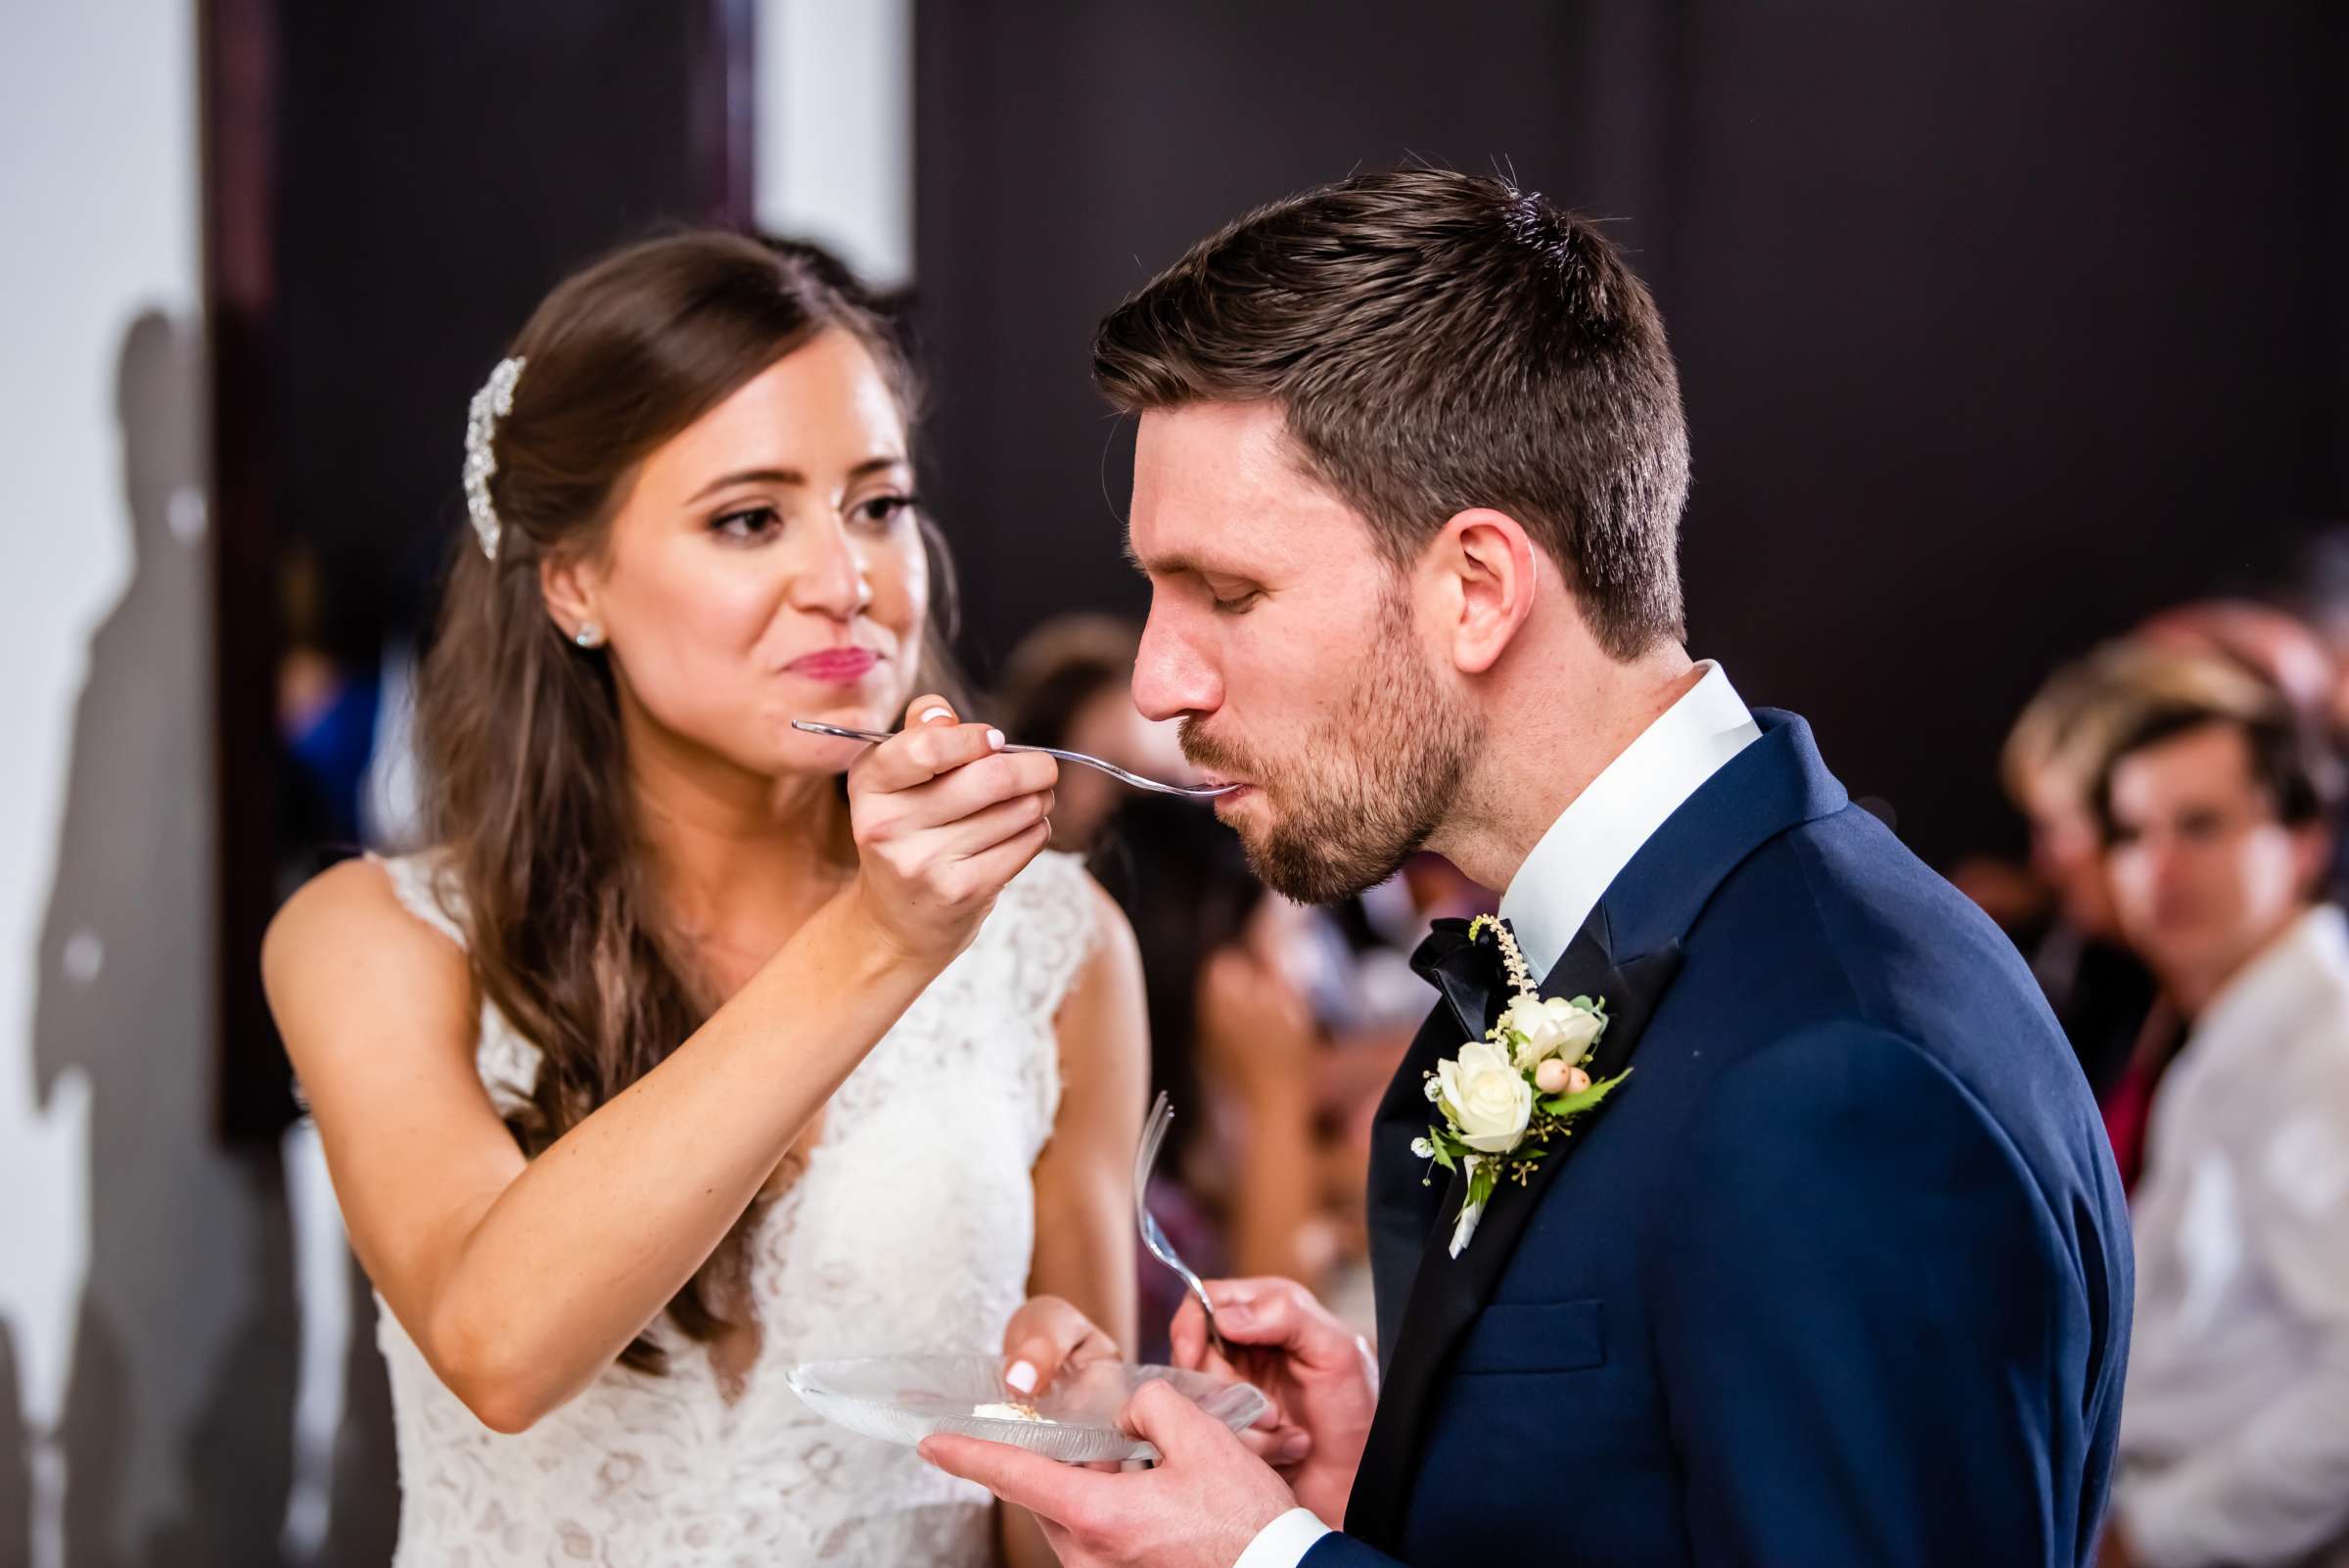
{"x":1231,"y":596}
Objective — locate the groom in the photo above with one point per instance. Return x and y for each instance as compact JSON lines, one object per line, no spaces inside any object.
{"x":1840,"y":1273}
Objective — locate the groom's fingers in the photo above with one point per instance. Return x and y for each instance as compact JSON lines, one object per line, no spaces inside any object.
{"x":1240,"y":1316}
{"x":1187,"y":1334}
{"x":1273,"y":1438}
{"x":1183,"y":1432}
{"x":1186,"y":1340}
{"x":1276,"y":1443}
{"x":1056,"y":1536}
{"x":1282,"y":1315}
{"x":1046,"y":1488}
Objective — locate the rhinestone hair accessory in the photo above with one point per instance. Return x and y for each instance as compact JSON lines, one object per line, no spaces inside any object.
{"x":494,"y":400}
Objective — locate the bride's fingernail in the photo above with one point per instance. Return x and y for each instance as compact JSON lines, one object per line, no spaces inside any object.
{"x":995,"y":739}
{"x":1021,"y":1376}
{"x":930,"y":715}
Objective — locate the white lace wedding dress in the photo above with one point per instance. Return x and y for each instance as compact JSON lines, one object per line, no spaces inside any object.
{"x":910,"y":1229}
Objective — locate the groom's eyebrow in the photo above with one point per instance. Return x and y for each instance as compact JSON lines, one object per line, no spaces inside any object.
{"x":1180,"y":564}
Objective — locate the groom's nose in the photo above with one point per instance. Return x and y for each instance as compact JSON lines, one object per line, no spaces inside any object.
{"x":1171,"y":679}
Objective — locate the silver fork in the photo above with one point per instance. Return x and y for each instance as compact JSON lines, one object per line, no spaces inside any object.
{"x":1154,"y":1134}
{"x":1192,"y":792}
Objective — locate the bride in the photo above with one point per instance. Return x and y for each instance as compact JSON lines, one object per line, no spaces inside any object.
{"x":680,"y":1060}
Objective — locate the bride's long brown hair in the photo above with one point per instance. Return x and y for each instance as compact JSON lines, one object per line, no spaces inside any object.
{"x":518,"y":729}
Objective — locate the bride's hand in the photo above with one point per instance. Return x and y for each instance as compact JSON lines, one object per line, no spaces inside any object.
{"x":942,"y":819}
{"x":1046,"y":1337}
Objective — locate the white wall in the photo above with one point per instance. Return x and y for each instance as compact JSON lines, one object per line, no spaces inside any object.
{"x":834,"y":160}
{"x":99,"y":182}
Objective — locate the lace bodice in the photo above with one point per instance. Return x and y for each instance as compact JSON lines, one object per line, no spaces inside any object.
{"x":910,"y":1229}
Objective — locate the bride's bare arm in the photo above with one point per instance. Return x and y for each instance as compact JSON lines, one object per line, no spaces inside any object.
{"x":521,"y":1282}
{"x":1085,"y":1237}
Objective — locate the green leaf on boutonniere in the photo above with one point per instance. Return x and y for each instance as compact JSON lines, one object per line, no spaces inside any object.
{"x":1443,"y":1157}
{"x":1570,"y":1104}
{"x":1481,"y":1182}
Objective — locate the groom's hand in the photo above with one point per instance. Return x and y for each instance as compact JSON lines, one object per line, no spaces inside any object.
{"x":1319,"y":1374}
{"x":1206,"y":1499}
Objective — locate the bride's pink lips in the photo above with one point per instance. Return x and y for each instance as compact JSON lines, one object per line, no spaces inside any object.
{"x":835,"y":666}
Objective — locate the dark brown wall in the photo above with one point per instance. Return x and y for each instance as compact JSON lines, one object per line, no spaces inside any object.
{"x":1999,"y":324}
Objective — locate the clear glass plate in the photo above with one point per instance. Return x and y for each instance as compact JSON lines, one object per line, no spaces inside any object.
{"x":904,"y":1399}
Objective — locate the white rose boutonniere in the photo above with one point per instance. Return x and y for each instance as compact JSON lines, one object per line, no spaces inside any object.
{"x":1551,"y":1026}
{"x":1504,"y":1100}
{"x":1486,"y":1097}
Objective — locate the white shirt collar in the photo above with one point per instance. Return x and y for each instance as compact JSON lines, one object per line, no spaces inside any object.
{"x":1595,"y":837}
{"x":2286,"y":982}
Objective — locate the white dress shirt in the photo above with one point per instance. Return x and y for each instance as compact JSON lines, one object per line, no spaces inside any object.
{"x":1560,"y":882}
{"x":2234,"y":1421}
{"x":1595,"y":837}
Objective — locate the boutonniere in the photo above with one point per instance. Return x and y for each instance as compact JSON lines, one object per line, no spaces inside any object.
{"x":1509,"y":1098}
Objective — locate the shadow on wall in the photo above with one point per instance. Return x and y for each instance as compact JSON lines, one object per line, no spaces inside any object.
{"x":176,"y":1434}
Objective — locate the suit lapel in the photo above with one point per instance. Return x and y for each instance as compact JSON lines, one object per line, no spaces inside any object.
{"x":1774,"y":784}
{"x":1401,"y":1203}
{"x":1446,"y":1293}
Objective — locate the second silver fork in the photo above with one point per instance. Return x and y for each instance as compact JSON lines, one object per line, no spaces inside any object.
{"x":1145,"y":1156}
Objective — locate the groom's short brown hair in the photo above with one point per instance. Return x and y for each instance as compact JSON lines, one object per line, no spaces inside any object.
{"x":1439,"y":342}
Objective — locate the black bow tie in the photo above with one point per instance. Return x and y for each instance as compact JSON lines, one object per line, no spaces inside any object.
{"x":1467,"y":972}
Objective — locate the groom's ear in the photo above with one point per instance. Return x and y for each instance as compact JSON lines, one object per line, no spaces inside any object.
{"x":1485,"y":567}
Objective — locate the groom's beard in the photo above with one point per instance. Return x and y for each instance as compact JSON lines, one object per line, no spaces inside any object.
{"x":1352,"y":799}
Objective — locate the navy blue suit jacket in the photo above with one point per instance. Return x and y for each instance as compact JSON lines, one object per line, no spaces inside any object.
{"x":1840,"y":1275}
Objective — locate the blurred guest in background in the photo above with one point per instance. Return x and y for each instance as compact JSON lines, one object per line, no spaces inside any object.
{"x":326,"y":721}
{"x":2235,"y":1428}
{"x":2305,"y":634}
{"x":1273,"y":1082}
{"x":2103,"y":994}
{"x":1273,"y":1027}
{"x":1184,"y":886}
{"x":1231,"y":1038}
{"x":2272,"y":644}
